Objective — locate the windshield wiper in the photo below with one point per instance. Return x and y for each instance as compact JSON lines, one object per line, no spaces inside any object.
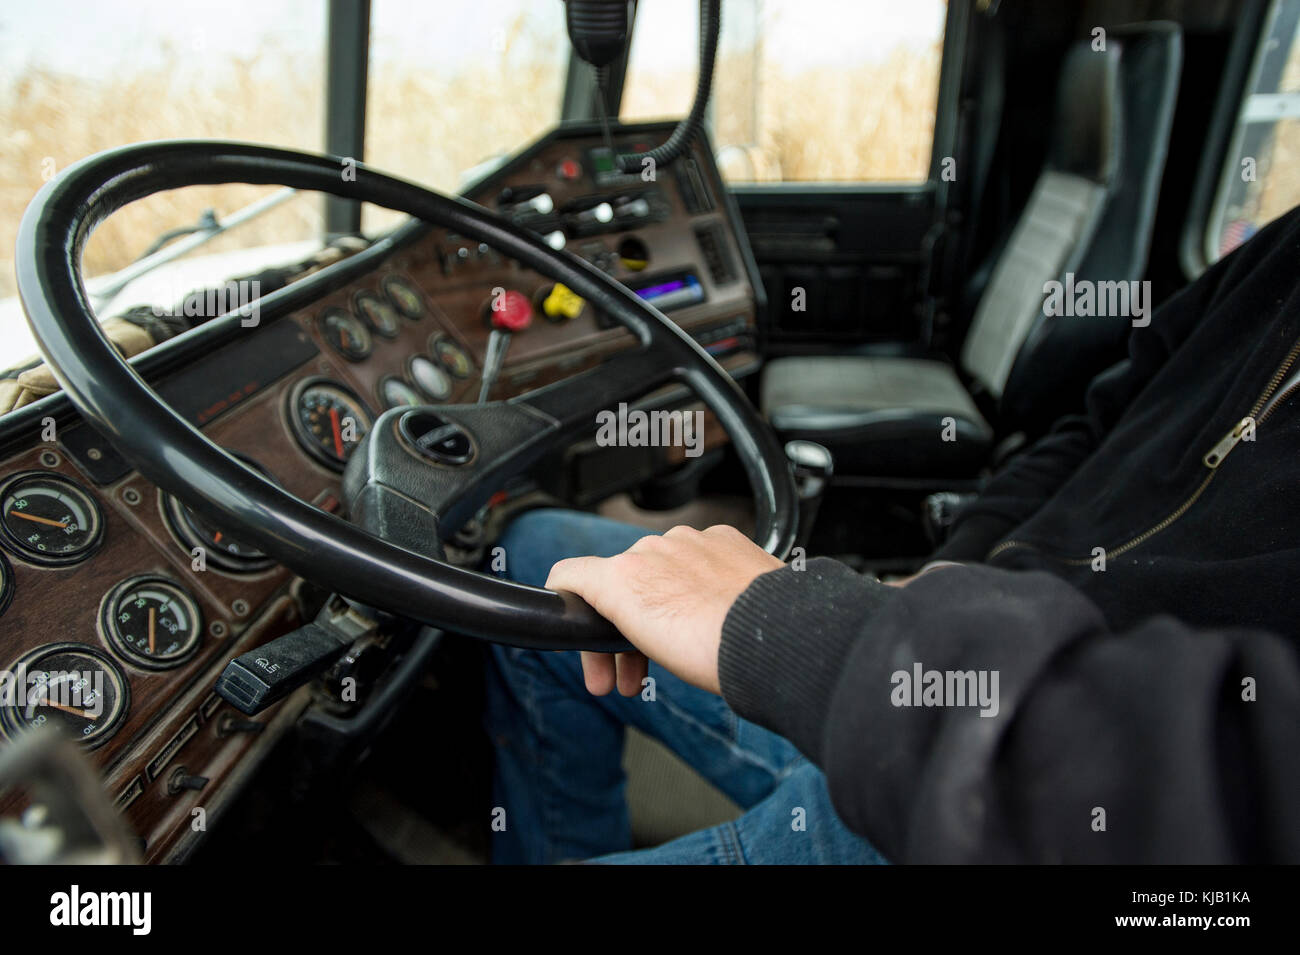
{"x":177,"y":242}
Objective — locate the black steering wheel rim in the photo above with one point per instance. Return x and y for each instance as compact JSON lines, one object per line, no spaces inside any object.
{"x":314,"y":544}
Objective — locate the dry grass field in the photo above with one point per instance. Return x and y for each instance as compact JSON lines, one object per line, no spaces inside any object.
{"x":871,"y":122}
{"x":48,"y":121}
{"x":431,"y":128}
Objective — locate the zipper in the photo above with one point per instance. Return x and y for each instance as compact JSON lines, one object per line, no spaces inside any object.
{"x":1264,"y":406}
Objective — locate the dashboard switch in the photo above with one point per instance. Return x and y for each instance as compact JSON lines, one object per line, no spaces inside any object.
{"x":511,"y":311}
{"x":562,"y":304}
{"x":181,"y":780}
{"x":229,"y":725}
{"x":266,"y":674}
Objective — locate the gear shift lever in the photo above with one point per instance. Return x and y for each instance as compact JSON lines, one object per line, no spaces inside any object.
{"x":813,"y":468}
{"x":510,"y":312}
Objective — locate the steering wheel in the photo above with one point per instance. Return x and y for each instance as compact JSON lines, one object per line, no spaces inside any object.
{"x":416,"y":468}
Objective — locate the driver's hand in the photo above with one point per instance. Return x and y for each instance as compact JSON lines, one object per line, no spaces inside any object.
{"x":669,"y":596}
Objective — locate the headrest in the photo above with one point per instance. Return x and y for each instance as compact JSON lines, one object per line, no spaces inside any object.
{"x":1086,"y":139}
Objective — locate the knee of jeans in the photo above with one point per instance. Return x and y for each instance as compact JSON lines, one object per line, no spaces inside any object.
{"x":543,"y":669}
{"x":524,"y":549}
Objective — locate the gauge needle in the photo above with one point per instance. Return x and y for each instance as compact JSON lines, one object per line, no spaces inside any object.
{"x":153,"y":620}
{"x":38,"y":520}
{"x":74,"y":710}
{"x":338,"y":432}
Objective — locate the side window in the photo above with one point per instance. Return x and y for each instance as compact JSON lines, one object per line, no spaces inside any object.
{"x":804,"y":90}
{"x":1261,"y":179}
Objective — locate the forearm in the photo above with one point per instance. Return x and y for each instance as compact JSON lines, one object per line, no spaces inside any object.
{"x":1148,"y":727}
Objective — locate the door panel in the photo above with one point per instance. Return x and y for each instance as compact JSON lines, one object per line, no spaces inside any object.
{"x":859,"y":255}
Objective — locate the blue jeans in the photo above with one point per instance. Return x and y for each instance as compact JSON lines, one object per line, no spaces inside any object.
{"x":558,"y":749}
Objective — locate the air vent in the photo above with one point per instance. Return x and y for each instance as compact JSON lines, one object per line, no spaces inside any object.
{"x":695,"y":190}
{"x":713,"y":243}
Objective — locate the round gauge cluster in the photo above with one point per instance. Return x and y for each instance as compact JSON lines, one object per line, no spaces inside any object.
{"x":379,"y":313}
{"x":328,"y":419}
{"x":429,"y":377}
{"x":70,"y":686}
{"x":219,"y":548}
{"x":47,"y":519}
{"x":351,"y":333}
{"x":152,"y":622}
{"x":396,"y":393}
{"x":404,"y":298}
{"x":434,"y":373}
{"x":148,"y":621}
{"x":6,"y":584}
{"x":451,"y":356}
{"x":347,"y":334}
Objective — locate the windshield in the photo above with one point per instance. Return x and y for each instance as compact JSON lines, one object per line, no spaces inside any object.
{"x":77,"y":78}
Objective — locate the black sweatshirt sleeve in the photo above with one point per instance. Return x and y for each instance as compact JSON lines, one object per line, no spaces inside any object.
{"x":1159,"y":744}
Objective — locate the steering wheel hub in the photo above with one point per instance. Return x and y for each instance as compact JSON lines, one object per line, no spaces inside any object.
{"x":438,"y":439}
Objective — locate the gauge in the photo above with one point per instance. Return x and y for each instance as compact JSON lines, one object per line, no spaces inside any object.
{"x":49,"y":519}
{"x":404,"y":298}
{"x":328,"y":419}
{"x":151,"y":622}
{"x":396,"y":393}
{"x":6,"y":584}
{"x":452,"y":357}
{"x":73,"y":687}
{"x":379,"y":314}
{"x":429,"y":378}
{"x":347,"y":333}
{"x":219,"y":548}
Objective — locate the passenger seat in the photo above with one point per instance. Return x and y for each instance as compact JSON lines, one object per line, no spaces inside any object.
{"x":1090,"y":213}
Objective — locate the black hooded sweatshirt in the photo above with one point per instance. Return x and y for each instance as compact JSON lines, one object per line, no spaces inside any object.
{"x":1132,"y":581}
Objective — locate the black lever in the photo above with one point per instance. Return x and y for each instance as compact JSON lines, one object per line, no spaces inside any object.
{"x":252,"y":682}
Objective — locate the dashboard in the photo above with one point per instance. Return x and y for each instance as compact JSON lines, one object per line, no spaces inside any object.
{"x":119,"y":606}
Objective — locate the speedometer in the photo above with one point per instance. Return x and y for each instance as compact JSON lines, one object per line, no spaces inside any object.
{"x":328,"y":419}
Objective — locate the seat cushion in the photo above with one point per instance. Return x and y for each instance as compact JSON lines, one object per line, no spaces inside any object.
{"x":898,"y":417}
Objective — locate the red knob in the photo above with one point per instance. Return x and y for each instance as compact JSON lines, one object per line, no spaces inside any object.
{"x":512,"y":312}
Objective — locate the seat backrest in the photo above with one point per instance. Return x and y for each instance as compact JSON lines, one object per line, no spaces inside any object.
{"x":1089,"y":216}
